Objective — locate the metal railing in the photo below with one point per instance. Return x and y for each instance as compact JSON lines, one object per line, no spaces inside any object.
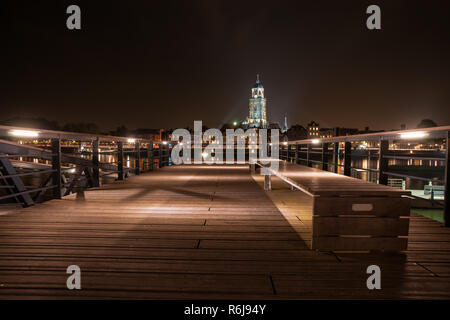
{"x":331,"y":150}
{"x":66,"y":172}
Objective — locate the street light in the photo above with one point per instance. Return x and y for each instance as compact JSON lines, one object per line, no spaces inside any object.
{"x":413,"y":135}
{"x":24,"y":133}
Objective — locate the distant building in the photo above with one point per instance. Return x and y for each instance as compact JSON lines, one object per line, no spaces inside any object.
{"x":367,"y":130}
{"x":257,"y":116}
{"x":297,"y":132}
{"x":345,"y":131}
{"x":326,"y":132}
{"x":313,"y":130}
{"x":150,"y":134}
{"x":274,"y":125}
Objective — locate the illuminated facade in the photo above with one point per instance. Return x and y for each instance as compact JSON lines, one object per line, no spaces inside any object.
{"x":257,"y":117}
{"x":313,"y":130}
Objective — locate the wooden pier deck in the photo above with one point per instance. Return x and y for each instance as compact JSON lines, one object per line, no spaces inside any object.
{"x":209,"y":232}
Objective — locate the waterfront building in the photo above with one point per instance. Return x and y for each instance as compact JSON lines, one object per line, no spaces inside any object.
{"x":313,"y":130}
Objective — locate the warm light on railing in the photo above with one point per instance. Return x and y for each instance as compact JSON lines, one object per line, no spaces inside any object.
{"x":412,"y":135}
{"x":315,"y":141}
{"x":24,"y":133}
{"x":131,"y":140}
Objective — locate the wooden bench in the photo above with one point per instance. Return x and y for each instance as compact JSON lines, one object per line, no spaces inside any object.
{"x":349,"y":214}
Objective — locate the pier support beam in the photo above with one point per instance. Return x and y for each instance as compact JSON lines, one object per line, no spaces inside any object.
{"x":336,"y":157}
{"x":348,"y":159}
{"x":296,"y":153}
{"x":447,"y":181}
{"x":56,"y":165}
{"x":383,"y":162}
{"x":95,"y":164}
{"x":120,"y":160}
{"x":137,"y":159}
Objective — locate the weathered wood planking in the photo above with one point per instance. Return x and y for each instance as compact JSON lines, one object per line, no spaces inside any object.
{"x":203,"y":232}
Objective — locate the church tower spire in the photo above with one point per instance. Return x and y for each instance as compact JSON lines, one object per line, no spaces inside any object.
{"x":285,"y":125}
{"x":257,"y":106}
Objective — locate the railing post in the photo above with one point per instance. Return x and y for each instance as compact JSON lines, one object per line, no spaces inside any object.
{"x":161,"y":157}
{"x":383,"y":162}
{"x":95,"y":164}
{"x":167,"y":154}
{"x":336,"y":157}
{"x":348,"y":159}
{"x":56,"y":165}
{"x":308,"y":155}
{"x":324,"y":151}
{"x":447,"y":180}
{"x":150,"y":155}
{"x":296,"y":153}
{"x":137,"y":158}
{"x":120,"y":160}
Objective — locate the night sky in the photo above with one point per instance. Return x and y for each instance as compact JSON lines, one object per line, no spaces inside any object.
{"x":165,"y":63}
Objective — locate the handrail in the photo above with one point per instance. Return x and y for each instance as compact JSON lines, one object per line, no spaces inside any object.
{"x":434,"y":132}
{"x":86,"y":170}
{"x":383,"y":154}
{"x":52,"y":134}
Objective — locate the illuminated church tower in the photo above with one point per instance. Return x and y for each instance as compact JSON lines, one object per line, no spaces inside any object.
{"x":257,"y":117}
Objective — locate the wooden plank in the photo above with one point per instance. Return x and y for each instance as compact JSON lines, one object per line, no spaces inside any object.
{"x":141,"y":281}
{"x":140,"y":237}
{"x":388,"y":207}
{"x":359,"y":243}
{"x":324,"y":226}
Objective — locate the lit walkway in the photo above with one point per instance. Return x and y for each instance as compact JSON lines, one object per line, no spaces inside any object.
{"x":201,"y":232}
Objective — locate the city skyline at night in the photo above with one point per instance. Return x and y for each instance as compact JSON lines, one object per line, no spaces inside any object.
{"x":133,"y":65}
{"x":224,"y":159}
